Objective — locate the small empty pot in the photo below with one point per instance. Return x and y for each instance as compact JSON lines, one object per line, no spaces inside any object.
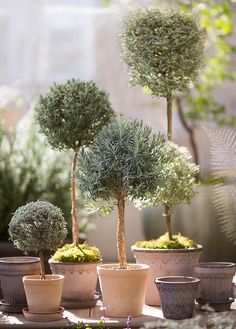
{"x":177,"y":294}
{"x":216,"y":280}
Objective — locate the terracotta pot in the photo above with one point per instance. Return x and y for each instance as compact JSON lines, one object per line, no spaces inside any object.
{"x":123,"y":290}
{"x":177,"y":295}
{"x":216,"y":280}
{"x":12,"y":270}
{"x":43,"y":296}
{"x":80,"y":279}
{"x":165,"y":262}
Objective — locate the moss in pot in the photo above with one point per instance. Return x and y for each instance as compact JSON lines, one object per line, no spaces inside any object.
{"x":40,"y":226}
{"x":70,"y":115}
{"x":122,"y":165}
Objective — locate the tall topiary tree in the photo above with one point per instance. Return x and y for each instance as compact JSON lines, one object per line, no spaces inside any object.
{"x":71,"y":115}
{"x":38,"y":226}
{"x":164,"y":52}
{"x":123,"y":163}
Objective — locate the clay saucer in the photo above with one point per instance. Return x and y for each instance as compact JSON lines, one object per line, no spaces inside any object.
{"x":217,"y":306}
{"x":43,"y":317}
{"x":74,"y":304}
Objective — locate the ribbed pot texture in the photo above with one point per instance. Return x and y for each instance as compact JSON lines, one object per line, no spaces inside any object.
{"x":177,"y":295}
{"x":12,"y":270}
{"x":80,"y":279}
{"x":43,"y":296}
{"x":165,"y":262}
{"x":216,"y":280}
{"x":123,"y":290}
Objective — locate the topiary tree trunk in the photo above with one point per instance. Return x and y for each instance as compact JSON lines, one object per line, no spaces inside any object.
{"x":121,"y":232}
{"x":42,"y":268}
{"x":74,"y":216}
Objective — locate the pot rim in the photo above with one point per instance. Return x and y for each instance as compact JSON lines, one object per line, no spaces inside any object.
{"x":48,"y":278}
{"x":198,"y":248}
{"x":184,"y":279}
{"x":52,"y":261}
{"x":14,"y":260}
{"x":115,"y":267}
{"x":215,"y":265}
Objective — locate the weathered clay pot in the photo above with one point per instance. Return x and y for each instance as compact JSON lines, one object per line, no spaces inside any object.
{"x":123,"y":290}
{"x":177,"y":295}
{"x":165,"y":262}
{"x":12,"y":270}
{"x":43,"y":296}
{"x":80,"y":279}
{"x":216,"y":280}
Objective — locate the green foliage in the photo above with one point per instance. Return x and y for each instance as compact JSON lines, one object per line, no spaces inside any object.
{"x":37,"y":226}
{"x":125,"y":158}
{"x":81,"y":325}
{"x":163,"y":242}
{"x":71,"y":114}
{"x":81,"y":254}
{"x":163,"y":49}
{"x":179,"y":180}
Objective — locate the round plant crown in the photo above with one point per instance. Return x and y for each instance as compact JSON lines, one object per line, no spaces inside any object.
{"x":125,"y":159}
{"x":37,"y":226}
{"x":163,"y":49}
{"x":71,"y":114}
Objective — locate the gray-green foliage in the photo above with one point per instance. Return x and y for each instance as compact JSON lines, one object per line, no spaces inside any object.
{"x":37,"y":226}
{"x":179,"y":185}
{"x":71,"y":114}
{"x":124,"y":158}
{"x":163,"y":49}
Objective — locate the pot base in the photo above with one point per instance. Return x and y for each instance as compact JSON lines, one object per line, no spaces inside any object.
{"x":217,"y":306}
{"x":9,"y":308}
{"x":80,"y":304}
{"x":43,"y":317}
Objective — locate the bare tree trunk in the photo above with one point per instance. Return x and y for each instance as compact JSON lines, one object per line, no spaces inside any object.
{"x":121,"y":232}
{"x":168,"y":222}
{"x":42,"y":268}
{"x":75,"y":225}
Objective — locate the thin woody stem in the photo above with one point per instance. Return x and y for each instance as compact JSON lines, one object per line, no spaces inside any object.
{"x":168,"y":222}
{"x":75,"y":226}
{"x":42,"y":268}
{"x":121,"y":232}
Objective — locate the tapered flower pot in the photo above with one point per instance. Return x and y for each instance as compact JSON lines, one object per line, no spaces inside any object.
{"x":43,"y":296}
{"x":216,"y":280}
{"x":177,"y":294}
{"x":79,"y":284}
{"x":12,"y":270}
{"x":165,"y":262}
{"x":123,"y":290}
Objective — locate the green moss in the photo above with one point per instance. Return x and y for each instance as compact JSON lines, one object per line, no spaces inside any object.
{"x":81,"y":253}
{"x":163,"y":242}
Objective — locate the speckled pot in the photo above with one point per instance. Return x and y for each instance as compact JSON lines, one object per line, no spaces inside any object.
{"x":165,"y":262}
{"x":177,"y":294}
{"x":216,"y":280}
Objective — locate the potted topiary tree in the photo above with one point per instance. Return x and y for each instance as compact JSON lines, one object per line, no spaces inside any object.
{"x":123,"y":163}
{"x":40,"y":226}
{"x":164,"y":52}
{"x":71,"y":115}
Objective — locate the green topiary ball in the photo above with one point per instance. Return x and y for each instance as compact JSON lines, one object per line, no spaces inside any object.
{"x":37,"y":226}
{"x":71,"y":114}
{"x":164,"y":50}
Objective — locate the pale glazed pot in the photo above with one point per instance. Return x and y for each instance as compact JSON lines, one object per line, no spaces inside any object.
{"x":177,"y":295}
{"x":123,"y":290}
{"x":43,"y":296}
{"x":12,"y":270}
{"x":80,"y":279}
{"x":165,"y":262}
{"x":216,"y":280}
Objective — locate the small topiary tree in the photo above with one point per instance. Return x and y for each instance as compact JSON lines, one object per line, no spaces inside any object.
{"x":71,"y":115}
{"x":38,"y":226}
{"x":164,"y":51}
{"x":179,"y":183}
{"x":123,"y":163}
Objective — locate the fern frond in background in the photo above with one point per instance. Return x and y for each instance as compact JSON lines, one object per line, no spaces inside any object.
{"x":223,"y":164}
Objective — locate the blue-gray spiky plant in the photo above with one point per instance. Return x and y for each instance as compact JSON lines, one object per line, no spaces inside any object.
{"x":71,"y":115}
{"x":38,"y":226}
{"x":123,"y":163}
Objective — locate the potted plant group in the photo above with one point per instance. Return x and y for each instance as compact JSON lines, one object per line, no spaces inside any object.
{"x":164,"y":52}
{"x":71,"y":115}
{"x":39,"y":226}
{"x":121,"y":165}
